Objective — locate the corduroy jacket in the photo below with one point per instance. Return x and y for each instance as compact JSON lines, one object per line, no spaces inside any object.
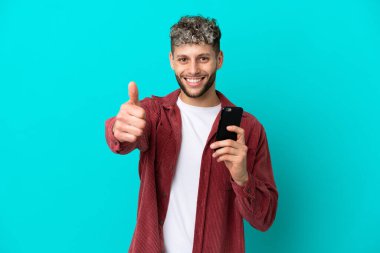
{"x":221,"y":205}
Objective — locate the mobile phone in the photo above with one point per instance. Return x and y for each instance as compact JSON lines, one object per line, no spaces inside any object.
{"x":229,"y":116}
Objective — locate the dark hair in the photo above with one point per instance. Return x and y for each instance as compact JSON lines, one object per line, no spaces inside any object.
{"x":195,"y":30}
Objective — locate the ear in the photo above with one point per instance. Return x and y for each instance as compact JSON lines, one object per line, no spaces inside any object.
{"x":220,"y":59}
{"x":171,"y":60}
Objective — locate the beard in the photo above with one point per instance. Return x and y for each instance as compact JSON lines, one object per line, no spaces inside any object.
{"x":204,"y":89}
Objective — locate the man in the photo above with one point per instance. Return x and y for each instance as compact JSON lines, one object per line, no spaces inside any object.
{"x":194,"y":191}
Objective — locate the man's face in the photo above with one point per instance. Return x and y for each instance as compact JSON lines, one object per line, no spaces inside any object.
{"x":195,"y":68}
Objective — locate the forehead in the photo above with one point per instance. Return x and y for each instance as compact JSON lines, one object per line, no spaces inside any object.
{"x":192,"y":50}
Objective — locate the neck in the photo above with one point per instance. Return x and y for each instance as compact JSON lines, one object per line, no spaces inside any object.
{"x":208,"y":99}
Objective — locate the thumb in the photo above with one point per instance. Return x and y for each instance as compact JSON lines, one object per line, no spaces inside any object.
{"x":133,"y":93}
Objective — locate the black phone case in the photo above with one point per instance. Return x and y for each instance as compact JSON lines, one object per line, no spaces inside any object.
{"x":229,"y":116}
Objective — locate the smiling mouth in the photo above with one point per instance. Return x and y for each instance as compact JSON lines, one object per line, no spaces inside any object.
{"x":194,"y":81}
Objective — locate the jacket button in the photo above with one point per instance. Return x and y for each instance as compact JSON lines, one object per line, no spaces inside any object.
{"x":161,"y":222}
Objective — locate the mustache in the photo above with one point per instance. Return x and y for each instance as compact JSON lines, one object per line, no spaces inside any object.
{"x":190,"y":76}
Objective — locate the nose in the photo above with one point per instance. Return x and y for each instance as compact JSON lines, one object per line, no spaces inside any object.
{"x":194,"y":68}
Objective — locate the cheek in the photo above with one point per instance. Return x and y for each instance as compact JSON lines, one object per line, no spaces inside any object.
{"x":211,"y":69}
{"x":178,"y":71}
{"x":178,"y":68}
{"x":212,"y":66}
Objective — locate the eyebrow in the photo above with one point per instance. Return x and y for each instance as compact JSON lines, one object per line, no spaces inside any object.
{"x":201,"y":55}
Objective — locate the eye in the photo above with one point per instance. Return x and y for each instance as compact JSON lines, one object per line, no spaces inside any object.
{"x":204,"y":59}
{"x":182,"y":59}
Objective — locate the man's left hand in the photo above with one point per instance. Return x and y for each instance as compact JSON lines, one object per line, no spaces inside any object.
{"x":234,"y":155}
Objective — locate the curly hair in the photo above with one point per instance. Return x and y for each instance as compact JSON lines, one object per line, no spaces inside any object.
{"x":195,"y":30}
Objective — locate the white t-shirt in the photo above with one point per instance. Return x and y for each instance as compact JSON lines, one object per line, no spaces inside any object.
{"x":180,"y":218}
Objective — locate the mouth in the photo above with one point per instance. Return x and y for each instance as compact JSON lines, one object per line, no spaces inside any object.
{"x":194,"y":81}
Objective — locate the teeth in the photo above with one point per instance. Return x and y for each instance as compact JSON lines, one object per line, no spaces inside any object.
{"x":193,"y":80}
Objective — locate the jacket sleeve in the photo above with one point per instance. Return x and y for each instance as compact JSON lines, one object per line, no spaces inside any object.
{"x":257,"y":199}
{"x":142,"y":143}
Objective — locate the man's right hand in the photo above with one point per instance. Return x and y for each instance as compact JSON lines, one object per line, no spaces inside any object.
{"x":130,"y":121}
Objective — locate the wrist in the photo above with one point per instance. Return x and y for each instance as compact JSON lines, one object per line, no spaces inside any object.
{"x":241,"y":181}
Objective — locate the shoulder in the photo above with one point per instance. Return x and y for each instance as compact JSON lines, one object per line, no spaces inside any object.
{"x":154,"y":106}
{"x":152,"y":101}
{"x":166,"y":101}
{"x":250,"y":120}
{"x":253,"y":128}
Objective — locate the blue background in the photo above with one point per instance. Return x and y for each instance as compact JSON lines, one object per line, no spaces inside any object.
{"x":309,"y":71}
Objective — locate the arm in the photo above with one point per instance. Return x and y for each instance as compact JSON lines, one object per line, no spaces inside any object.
{"x":257,"y":198}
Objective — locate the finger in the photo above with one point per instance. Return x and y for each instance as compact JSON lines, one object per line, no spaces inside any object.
{"x":134,"y":110}
{"x":133,"y":93}
{"x":225,"y":143}
{"x":132,"y":130}
{"x":228,"y":158}
{"x":128,"y":119}
{"x":239,"y":131}
{"x":226,"y":151}
{"x":125,"y":137}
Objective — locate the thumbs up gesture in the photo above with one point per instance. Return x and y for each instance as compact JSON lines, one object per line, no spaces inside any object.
{"x":130,"y":121}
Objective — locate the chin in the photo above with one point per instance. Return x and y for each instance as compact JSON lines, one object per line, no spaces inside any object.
{"x":196,"y":92}
{"x":195,"y":88}
{"x":193,"y":94}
